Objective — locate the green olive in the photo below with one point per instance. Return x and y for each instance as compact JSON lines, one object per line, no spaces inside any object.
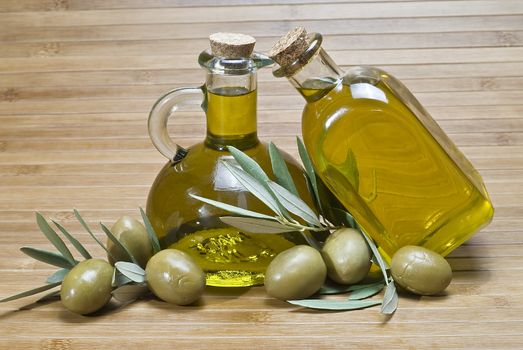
{"x":347,"y":256}
{"x":295,"y":273}
{"x":420,"y":271}
{"x":133,"y":235}
{"x":174,"y":277}
{"x":87,"y":287}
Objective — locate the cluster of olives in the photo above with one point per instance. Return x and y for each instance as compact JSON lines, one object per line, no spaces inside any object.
{"x":171,"y":275}
{"x":301,"y":271}
{"x":296,"y":273}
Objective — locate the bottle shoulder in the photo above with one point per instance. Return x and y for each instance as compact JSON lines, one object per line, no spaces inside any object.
{"x":204,"y":165}
{"x":364,"y":74}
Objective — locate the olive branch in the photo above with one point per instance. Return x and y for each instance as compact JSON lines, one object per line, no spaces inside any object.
{"x":292,"y":214}
{"x":127,"y":286}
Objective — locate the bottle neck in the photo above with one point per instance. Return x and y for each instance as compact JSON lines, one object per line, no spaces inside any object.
{"x":231,"y":110}
{"x":314,"y":73}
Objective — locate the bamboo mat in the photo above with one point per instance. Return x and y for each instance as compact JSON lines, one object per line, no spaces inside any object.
{"x":78,"y":77}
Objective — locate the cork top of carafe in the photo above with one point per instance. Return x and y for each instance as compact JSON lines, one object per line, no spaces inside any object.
{"x":232,"y":45}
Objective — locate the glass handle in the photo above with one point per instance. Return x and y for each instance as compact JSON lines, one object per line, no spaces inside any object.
{"x":159,"y":117}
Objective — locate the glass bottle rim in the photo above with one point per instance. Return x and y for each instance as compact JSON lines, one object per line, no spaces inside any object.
{"x":315,"y":40}
{"x":233,"y":66}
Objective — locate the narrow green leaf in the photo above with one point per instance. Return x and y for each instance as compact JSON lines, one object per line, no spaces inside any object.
{"x":313,"y":242}
{"x":51,"y":258}
{"x":118,"y":243}
{"x":294,"y":204}
{"x":86,"y":227}
{"x":346,"y":218}
{"x":256,"y":225}
{"x":331,"y":287}
{"x":327,"y":202}
{"x":280,"y":170}
{"x":119,"y":279}
{"x":253,"y":169}
{"x":377,"y":255}
{"x":248,"y":164}
{"x":58,"y":276}
{"x":324,"y":199}
{"x":367,"y":292}
{"x":132,"y":271}
{"x":309,"y":169}
{"x":79,"y":247}
{"x":53,"y":237}
{"x":232,"y":208}
{"x":341,"y":305}
{"x":390,"y":299}
{"x":150,"y":231}
{"x":31,"y":292}
{"x":130,"y":292}
{"x":256,"y":188}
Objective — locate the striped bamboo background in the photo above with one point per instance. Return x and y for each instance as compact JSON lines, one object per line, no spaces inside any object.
{"x":78,"y":77}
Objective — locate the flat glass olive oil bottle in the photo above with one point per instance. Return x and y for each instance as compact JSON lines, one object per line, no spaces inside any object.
{"x":381,"y":154}
{"x":228,"y":256}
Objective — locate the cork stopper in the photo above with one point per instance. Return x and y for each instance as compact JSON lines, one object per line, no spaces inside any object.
{"x":290,"y":47}
{"x":231,"y":45}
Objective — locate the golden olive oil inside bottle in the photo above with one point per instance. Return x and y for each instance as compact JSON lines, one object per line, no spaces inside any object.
{"x":382,"y":161}
{"x":381,"y":153}
{"x":229,"y":112}
{"x":230,"y":257}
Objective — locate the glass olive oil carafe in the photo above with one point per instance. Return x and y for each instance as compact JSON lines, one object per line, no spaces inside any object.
{"x":228,"y":256}
{"x":380,"y":153}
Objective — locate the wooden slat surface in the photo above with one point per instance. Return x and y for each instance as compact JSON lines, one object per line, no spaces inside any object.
{"x":78,"y":77}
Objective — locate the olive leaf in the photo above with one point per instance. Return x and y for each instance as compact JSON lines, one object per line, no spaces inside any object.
{"x":79,"y":247}
{"x":309,"y":170}
{"x":294,"y":204}
{"x":53,"y":237}
{"x":58,"y":276}
{"x":377,"y":255}
{"x":309,"y":238}
{"x":31,"y":292}
{"x":86,"y":227}
{"x":331,"y":287}
{"x":119,"y":279}
{"x":390,"y":299}
{"x":346,"y":218}
{"x":255,"y":187}
{"x":232,"y":208}
{"x":51,"y":258}
{"x":280,"y":170}
{"x":324,"y":200}
{"x":341,"y":305}
{"x":256,"y":225}
{"x":367,"y":292}
{"x":132,"y":271}
{"x":118,"y":243}
{"x":130,"y":292}
{"x":248,"y":164}
{"x":150,"y":231}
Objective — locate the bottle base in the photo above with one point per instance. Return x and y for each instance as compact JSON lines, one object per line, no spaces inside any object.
{"x":232,"y":258}
{"x":230,"y":278}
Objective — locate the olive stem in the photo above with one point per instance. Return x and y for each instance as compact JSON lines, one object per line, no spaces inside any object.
{"x":302,"y":228}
